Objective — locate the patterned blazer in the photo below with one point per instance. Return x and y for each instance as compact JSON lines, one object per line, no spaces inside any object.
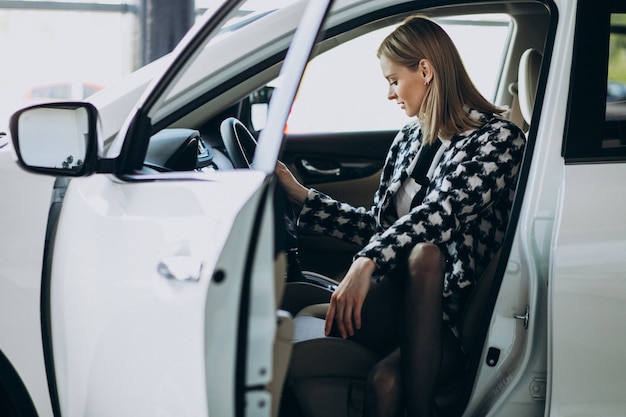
{"x":465,"y":210}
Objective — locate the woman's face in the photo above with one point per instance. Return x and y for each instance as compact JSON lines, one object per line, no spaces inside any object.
{"x":407,"y":87}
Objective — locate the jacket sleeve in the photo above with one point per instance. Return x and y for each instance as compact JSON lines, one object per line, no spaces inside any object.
{"x":322,"y":214}
{"x":473,"y":180}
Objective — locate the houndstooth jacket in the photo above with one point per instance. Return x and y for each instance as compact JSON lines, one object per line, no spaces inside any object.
{"x":465,"y":210}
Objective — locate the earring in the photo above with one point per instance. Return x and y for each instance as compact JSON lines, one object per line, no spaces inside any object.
{"x":426,"y":83}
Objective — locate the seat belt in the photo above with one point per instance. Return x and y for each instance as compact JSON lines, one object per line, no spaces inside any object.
{"x":424,"y":160}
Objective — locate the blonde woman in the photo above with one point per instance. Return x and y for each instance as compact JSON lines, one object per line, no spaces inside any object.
{"x":424,"y":242}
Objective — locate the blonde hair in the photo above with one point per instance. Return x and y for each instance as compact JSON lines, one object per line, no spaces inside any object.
{"x":442,"y":112}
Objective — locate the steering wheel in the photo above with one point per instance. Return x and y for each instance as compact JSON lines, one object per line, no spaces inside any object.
{"x":239,"y":142}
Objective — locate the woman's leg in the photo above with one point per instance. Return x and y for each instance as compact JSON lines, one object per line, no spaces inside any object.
{"x":381,"y":316}
{"x":407,"y":377}
{"x":408,"y":303}
{"x":421,"y":340}
{"x":383,"y":390}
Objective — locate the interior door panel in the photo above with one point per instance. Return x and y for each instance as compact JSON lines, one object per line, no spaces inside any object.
{"x":345,"y":166}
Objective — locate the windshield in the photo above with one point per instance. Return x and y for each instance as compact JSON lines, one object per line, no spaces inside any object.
{"x":250,"y":11}
{"x":250,"y":34}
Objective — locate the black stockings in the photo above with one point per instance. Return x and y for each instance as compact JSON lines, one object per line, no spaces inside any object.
{"x":405,"y":380}
{"x":420,"y":340}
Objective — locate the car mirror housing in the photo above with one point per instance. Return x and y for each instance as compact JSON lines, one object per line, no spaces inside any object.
{"x":57,"y":139}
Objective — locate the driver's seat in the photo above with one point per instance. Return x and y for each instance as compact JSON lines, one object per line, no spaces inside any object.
{"x":327,"y":374}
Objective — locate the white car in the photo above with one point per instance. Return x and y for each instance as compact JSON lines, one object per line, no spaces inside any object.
{"x":147,"y":268}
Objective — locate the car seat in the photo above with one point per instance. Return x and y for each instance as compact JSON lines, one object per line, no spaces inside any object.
{"x":527,"y":79}
{"x":327,"y":374}
{"x":281,"y":354}
{"x":525,"y":90}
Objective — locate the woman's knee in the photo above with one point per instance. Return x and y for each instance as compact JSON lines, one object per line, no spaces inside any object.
{"x":426,"y":258}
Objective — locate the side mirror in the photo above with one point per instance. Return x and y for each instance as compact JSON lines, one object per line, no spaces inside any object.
{"x":57,"y":139}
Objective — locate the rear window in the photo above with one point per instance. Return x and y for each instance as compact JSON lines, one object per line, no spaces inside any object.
{"x":615,"y":136}
{"x":596,"y":130}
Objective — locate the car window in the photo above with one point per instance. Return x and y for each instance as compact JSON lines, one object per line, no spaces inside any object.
{"x":343,"y":88}
{"x":243,"y":30}
{"x":596,"y":129}
{"x":616,"y":82}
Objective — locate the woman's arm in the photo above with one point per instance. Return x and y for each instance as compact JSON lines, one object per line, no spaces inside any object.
{"x":322,"y":214}
{"x":347,"y":301}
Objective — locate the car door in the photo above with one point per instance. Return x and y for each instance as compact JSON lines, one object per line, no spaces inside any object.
{"x":588,"y":281}
{"x":161,"y":293}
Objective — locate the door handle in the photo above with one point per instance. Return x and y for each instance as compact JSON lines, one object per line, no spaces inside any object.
{"x":181,"y":268}
{"x":313,"y":170}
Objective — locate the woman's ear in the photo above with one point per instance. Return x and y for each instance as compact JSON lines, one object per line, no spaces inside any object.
{"x":426,"y":70}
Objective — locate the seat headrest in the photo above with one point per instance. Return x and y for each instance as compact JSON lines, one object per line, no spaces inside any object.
{"x":527,"y":79}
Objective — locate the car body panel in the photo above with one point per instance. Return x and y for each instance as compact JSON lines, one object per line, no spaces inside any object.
{"x":129,"y":318}
{"x":589,"y":292}
{"x":21,"y":252}
{"x":587,"y":278}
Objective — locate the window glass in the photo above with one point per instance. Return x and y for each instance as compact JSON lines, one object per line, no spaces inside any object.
{"x":343,"y":89}
{"x":244,"y":29}
{"x":614,"y":136}
{"x":596,"y":116}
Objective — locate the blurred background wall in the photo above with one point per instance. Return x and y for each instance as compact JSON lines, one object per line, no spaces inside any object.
{"x":71,"y":49}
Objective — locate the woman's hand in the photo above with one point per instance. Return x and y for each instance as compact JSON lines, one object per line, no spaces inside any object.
{"x":296,"y":192}
{"x":347,"y":301}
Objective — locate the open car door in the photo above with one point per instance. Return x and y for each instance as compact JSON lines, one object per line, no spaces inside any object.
{"x":161,"y":288}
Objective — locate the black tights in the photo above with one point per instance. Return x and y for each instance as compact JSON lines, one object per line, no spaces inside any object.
{"x":402,"y":319}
